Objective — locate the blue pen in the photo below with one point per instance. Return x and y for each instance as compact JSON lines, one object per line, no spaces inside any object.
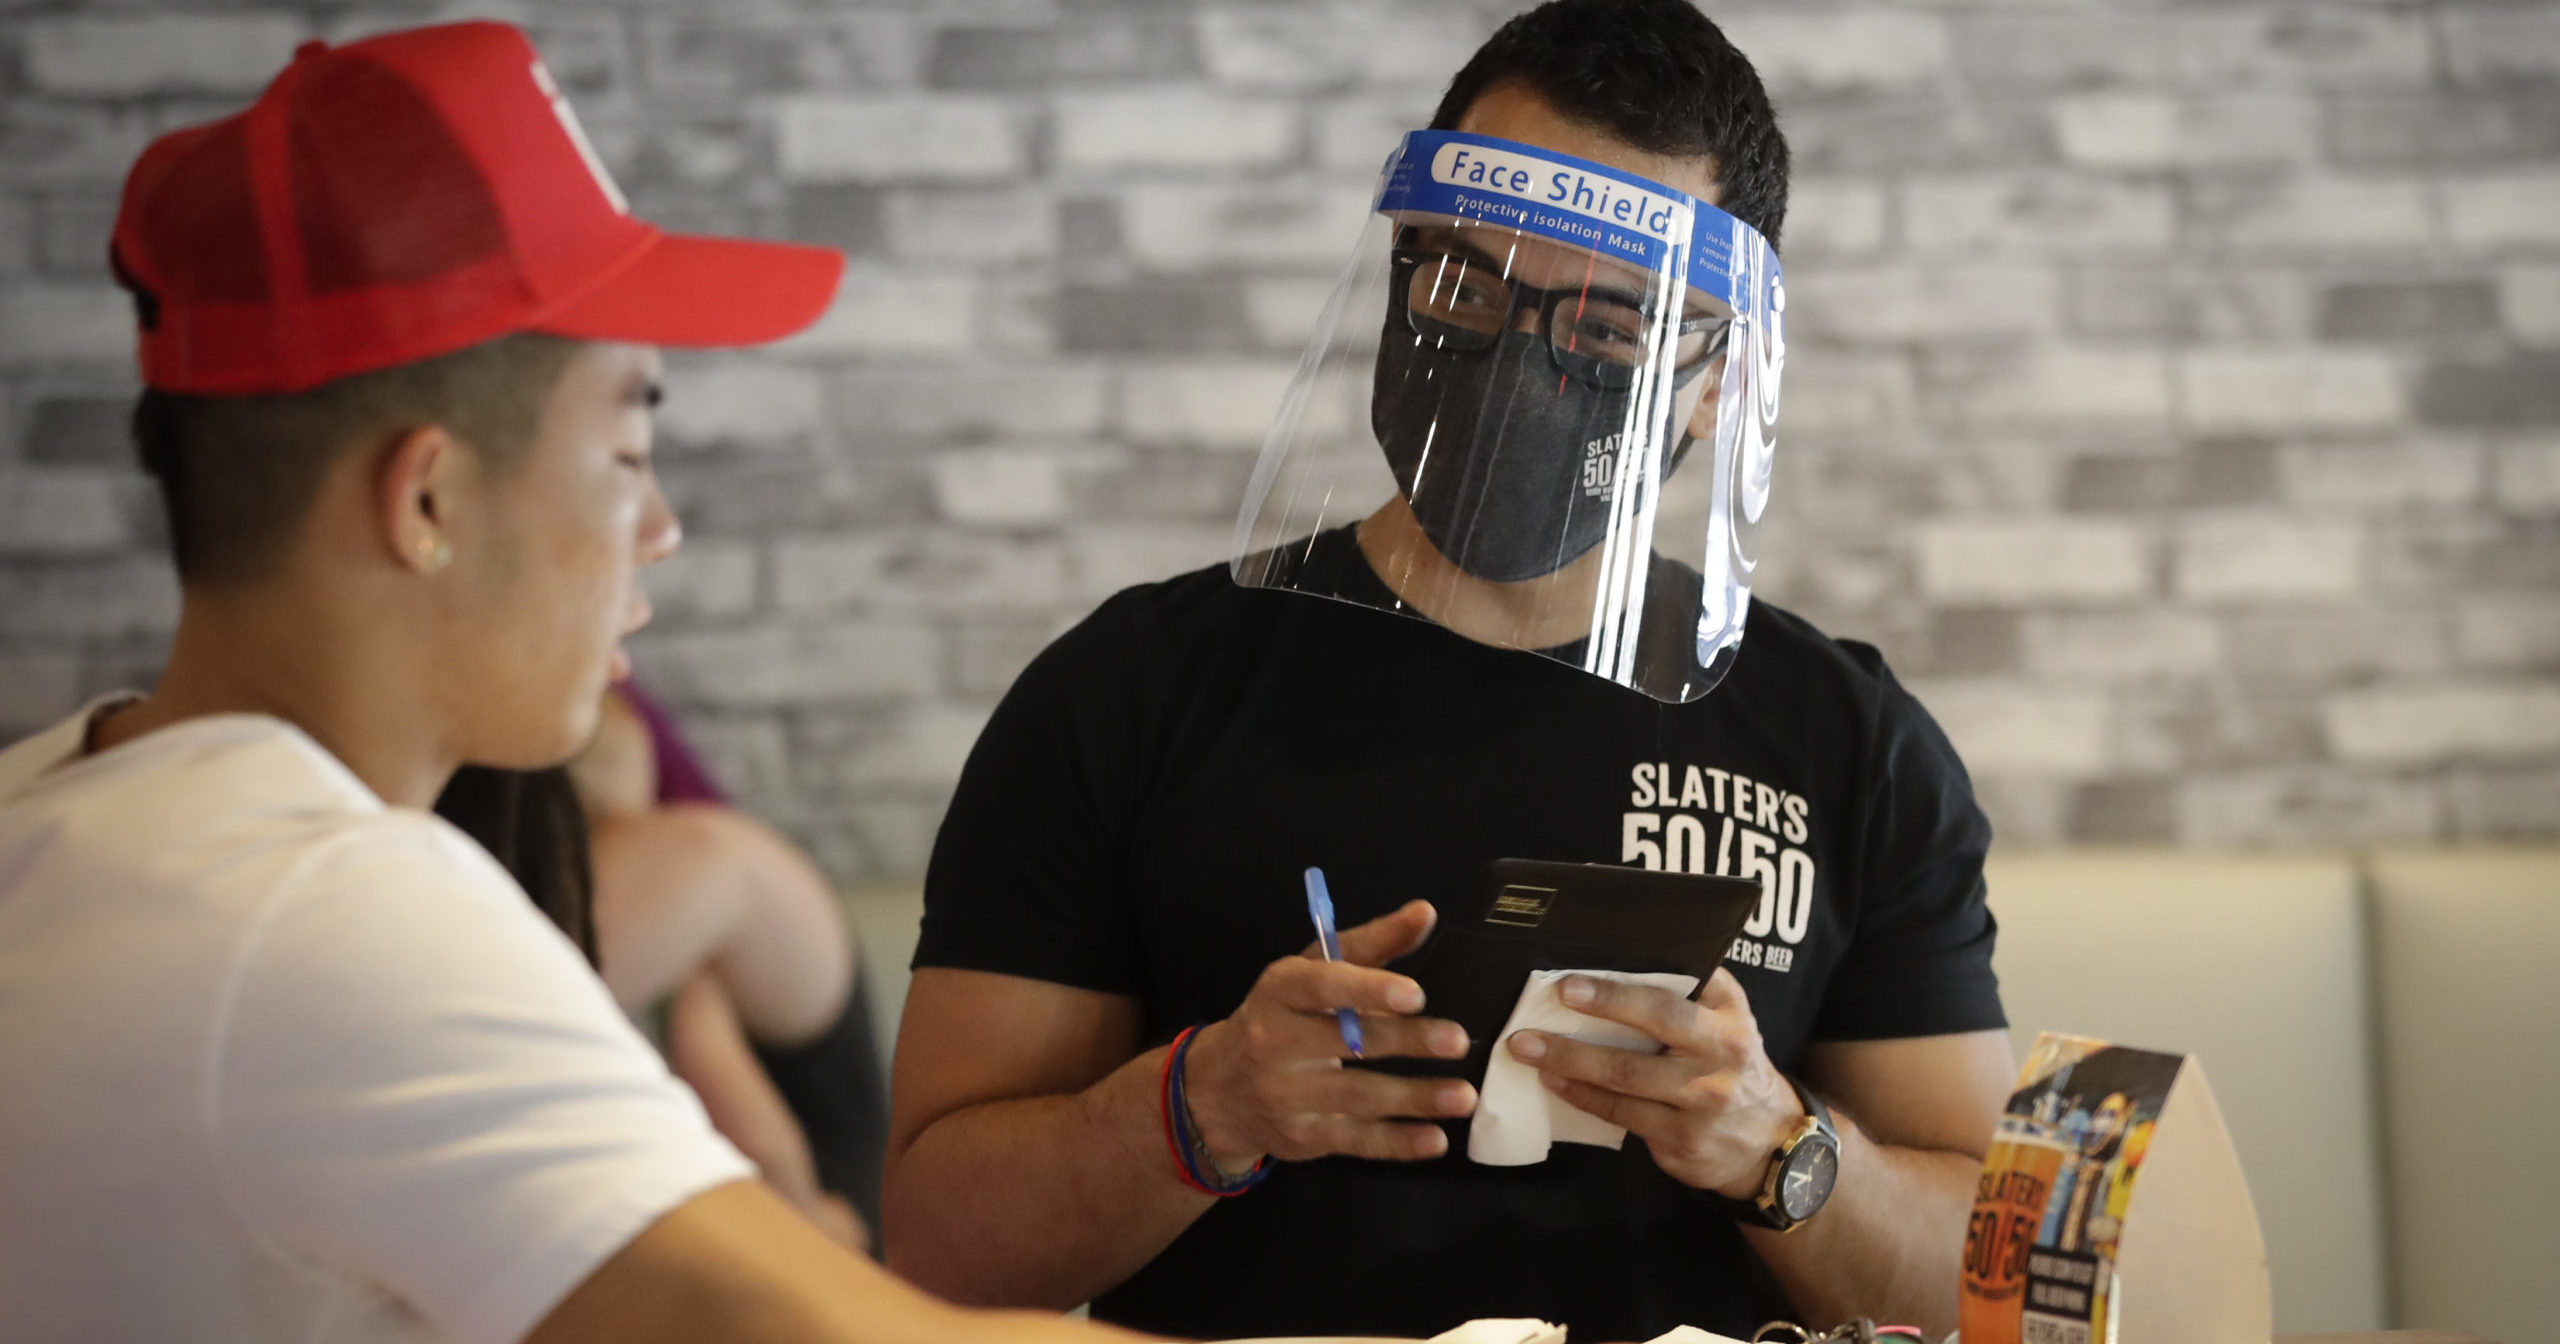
{"x":1320,"y":908}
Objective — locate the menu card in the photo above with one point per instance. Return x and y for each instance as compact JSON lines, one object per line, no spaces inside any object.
{"x":2112,"y":1209}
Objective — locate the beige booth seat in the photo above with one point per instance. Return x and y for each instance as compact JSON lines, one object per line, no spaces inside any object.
{"x":2256,"y":965}
{"x":885,"y":921}
{"x":2469,"y":963}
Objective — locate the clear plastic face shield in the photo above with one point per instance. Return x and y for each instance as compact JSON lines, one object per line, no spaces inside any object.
{"x":1542,"y":404}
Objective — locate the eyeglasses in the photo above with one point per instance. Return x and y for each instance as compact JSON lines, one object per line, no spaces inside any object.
{"x":1596,"y":334}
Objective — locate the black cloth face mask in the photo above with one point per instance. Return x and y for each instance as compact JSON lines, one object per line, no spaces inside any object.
{"x":1510,"y":466}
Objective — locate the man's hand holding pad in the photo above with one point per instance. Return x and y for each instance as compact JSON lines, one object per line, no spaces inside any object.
{"x":1711,"y":1107}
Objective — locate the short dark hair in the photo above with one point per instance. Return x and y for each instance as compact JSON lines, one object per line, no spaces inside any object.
{"x":1656,"y":74}
{"x":237,"y":474}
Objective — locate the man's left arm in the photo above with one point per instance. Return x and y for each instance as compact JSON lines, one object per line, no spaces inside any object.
{"x":1915,"y":1118}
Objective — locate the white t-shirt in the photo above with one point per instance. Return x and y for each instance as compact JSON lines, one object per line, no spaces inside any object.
{"x":281,"y":1063}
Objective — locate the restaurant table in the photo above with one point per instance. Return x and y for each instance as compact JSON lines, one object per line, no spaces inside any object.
{"x":2386,"y":1337}
{"x":2361,"y":1337}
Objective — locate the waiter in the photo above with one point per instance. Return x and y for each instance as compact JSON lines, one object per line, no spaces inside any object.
{"x":1492,"y":599}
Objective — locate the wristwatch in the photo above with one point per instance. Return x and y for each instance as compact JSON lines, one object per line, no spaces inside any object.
{"x":1803,"y":1170}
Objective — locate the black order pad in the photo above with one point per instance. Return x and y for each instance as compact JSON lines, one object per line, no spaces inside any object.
{"x":1537,"y":916}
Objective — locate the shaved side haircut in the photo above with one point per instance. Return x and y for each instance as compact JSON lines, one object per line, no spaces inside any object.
{"x":237,"y":475}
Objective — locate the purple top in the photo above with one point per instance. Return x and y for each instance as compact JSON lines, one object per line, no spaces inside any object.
{"x":682,"y":778}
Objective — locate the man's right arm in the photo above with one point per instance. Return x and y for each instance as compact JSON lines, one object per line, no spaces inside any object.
{"x":1027,"y":1164}
{"x":736,"y":1264}
{"x":1027,"y":1161}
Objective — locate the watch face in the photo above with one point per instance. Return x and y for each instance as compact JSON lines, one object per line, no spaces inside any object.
{"x":1811,"y":1170}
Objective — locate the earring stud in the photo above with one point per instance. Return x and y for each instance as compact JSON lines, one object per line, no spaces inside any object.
{"x":435,"y":553}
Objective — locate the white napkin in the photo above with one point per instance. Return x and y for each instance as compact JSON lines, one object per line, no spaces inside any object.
{"x":1502,"y":1332}
{"x":1517,"y":1118}
{"x":1539,"y":1332}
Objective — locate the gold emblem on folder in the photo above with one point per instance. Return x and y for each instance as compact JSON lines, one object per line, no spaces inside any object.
{"x":1522,"y":907}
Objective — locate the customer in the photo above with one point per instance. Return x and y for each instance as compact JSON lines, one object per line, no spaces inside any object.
{"x":1549,"y":315}
{"x":287,"y":1057}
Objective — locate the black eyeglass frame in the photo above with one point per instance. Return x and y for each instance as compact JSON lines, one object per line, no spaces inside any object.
{"x":1404,"y":261}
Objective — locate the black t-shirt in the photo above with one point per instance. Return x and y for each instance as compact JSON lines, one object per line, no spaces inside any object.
{"x":1137,"y":814}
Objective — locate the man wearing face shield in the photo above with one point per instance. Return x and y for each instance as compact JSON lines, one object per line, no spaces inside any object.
{"x":1536,"y":426}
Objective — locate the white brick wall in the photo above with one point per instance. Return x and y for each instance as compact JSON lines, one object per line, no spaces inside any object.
{"x":2509,"y":632}
{"x":2495,"y":44}
{"x":132,"y":596}
{"x":2423,"y":725}
{"x":2292,"y":212}
{"x":51,"y":323}
{"x":17,"y":236}
{"x":1106,"y":558}
{"x":2038,"y":214}
{"x":61,"y":511}
{"x":2006,"y":730}
{"x":933,"y":571}
{"x":778,"y":666}
{"x":976,"y":226}
{"x":975,"y":398}
{"x":829,"y":139}
{"x":1907,"y":303}
{"x":2267,"y":558}
{"x":1353,"y":136}
{"x":916,"y":750}
{"x":1831,"y":389}
{"x":2502,"y":213}
{"x":704,"y":578}
{"x":2115,"y":646}
{"x":1221,"y":405}
{"x":2004,"y":560}
{"x":106,"y":55}
{"x":1310,"y":223}
{"x":1179,"y":128}
{"x":2245,"y":389}
{"x":2382,"y":476}
{"x":2170,"y":389}
{"x":2152,"y":130}
{"x":2530,"y":298}
{"x":1284,"y":310}
{"x":2060,"y":384}
{"x":2527,"y":477}
{"x":1009,"y":487}
{"x":1326,"y":44}
{"x":37,"y":688}
{"x":760,"y":402}
{"x":1841,"y":53}
{"x":895,"y":311}
{"x":2306,"y":807}
{"x":2335,"y":46}
{"x":1828,"y":217}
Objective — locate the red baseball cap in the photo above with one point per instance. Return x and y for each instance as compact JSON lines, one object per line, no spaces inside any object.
{"x":406,"y":196}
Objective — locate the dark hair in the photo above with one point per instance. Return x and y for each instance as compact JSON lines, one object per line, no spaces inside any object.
{"x":1656,"y":74}
{"x":532,"y":823}
{"x":237,"y":474}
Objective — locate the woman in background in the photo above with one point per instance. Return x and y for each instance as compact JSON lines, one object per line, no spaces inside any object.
{"x":711,"y":929}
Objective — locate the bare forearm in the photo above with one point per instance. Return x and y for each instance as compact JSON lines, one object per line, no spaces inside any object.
{"x":679,"y":887}
{"x":1888,"y":1244}
{"x":708,"y":1050}
{"x":1038,"y":1201}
